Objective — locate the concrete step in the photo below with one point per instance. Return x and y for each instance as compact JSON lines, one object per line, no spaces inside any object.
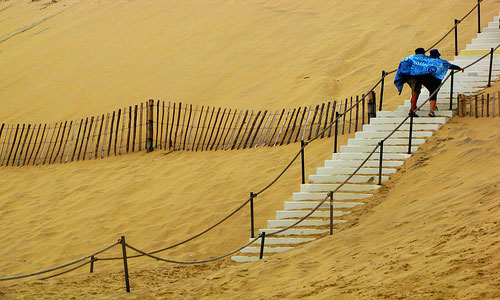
{"x":339,"y":196}
{"x":271,"y":240}
{"x":378,"y":135}
{"x":368,"y":149}
{"x":351,"y":187}
{"x":308,"y":223}
{"x":356,"y":163}
{"x":295,"y":214}
{"x":256,"y":249}
{"x":490,"y":40}
{"x":491,"y":29}
{"x":494,"y":24}
{"x":388,"y":142}
{"x":403,"y":113}
{"x":295,"y":231}
{"x":481,"y":46}
{"x":390,"y":127}
{"x":301,"y":205}
{"x":363,"y":156}
{"x":342,"y":178}
{"x":436,"y":120}
{"x":347,"y":171}
{"x":489,"y":35}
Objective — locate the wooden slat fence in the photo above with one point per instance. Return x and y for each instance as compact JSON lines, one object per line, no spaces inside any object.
{"x":479,"y":106}
{"x":176,"y":127}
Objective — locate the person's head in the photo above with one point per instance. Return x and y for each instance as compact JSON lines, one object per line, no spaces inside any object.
{"x":420,"y":51}
{"x":434,"y":53}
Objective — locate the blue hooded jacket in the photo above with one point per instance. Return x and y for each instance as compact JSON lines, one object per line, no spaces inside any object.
{"x":420,"y":64}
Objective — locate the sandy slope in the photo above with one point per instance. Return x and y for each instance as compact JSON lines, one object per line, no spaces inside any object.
{"x":433,"y":233}
{"x":90,"y":57}
{"x":93,"y":56}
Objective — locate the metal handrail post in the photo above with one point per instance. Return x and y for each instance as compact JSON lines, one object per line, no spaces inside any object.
{"x":478,"y":16}
{"x":456,"y":36}
{"x":382,"y":90}
{"x":262,"y":241}
{"x":331,"y":213}
{"x":252,"y":195}
{"x":491,"y":67}
{"x":302,"y":144}
{"x":337,"y":115}
{"x":381,"y":144}
{"x":451,"y":89}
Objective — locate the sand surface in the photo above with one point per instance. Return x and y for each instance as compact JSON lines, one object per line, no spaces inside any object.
{"x":432,"y":233}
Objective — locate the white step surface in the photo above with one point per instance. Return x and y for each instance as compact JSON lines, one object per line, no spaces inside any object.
{"x":272,"y":240}
{"x":294,"y":214}
{"x":378,"y":135}
{"x":388,"y":142}
{"x":357,"y":163}
{"x":390,"y":127}
{"x":387,"y":149}
{"x":242,"y":258}
{"x":311,"y":223}
{"x":312,"y":187}
{"x":402,"y":113}
{"x":306,"y":196}
{"x":341,"y":178}
{"x":256,"y":249}
{"x":295,"y":231}
{"x":362,"y":156}
{"x":301,"y":205}
{"x":346,"y":171}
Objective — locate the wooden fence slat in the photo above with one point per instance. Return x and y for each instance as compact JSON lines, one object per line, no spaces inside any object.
{"x":197,"y":128}
{"x":23,"y":144}
{"x":251,"y":129}
{"x":257,"y":130}
{"x":363,"y":110}
{"x":345,"y":109}
{"x":172,"y":127}
{"x":18,"y":145}
{"x":319,"y":119}
{"x":53,"y":145}
{"x":245,"y":131}
{"x":50,"y":144}
{"x":312,"y":122}
{"x":476,"y":108}
{"x":208,"y":129}
{"x":162,"y":123}
{"x":3,"y":143}
{"x":482,"y":106}
{"x":181,"y":134}
{"x":202,"y":128}
{"x":13,"y":145}
{"x":179,"y":110}
{"x":269,"y":129}
{"x":129,"y":128}
{"x":287,"y":127}
{"x":277,"y":127}
{"x":106,"y":130}
{"x":61,"y":143}
{"x":350,"y":115}
{"x":293,"y":126}
{"x":239,"y":130}
{"x":29,"y":143}
{"x":281,"y":129}
{"x":1,"y":131}
{"x":263,"y":131}
{"x":157,"y":121}
{"x":334,"y":106}
{"x":300,"y":124}
{"x":498,"y":99}
{"x":493,"y":110}
{"x":218,"y":137}
{"x":218,"y":128}
{"x":141,"y":111}
{"x":110,"y":142}
{"x":224,"y":145}
{"x":96,"y":151}
{"x":43,"y":146}
{"x":307,"y":122}
{"x":116,"y":131}
{"x":34,"y":145}
{"x":187,"y":126}
{"x":83,"y":139}
{"x":192,"y":127}
{"x":213,"y":129}
{"x":88,"y":137}
{"x":91,"y":148}
{"x":70,"y":143}
{"x":7,"y":145}
{"x":136,"y":107}
{"x":357,"y":114}
{"x":487,"y":105}
{"x":326,"y":120}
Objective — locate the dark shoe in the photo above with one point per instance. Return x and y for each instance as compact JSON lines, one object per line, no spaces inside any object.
{"x":432,"y":114}
{"x":413,"y":114}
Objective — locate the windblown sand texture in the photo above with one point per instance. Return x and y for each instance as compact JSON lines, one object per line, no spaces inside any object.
{"x":432,"y":233}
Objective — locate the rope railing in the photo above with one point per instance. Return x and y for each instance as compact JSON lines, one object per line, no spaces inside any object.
{"x":150,"y":254}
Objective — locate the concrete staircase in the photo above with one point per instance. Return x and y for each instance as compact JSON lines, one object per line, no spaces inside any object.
{"x":361,"y":186}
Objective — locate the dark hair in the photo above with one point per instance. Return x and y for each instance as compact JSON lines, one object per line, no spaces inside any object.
{"x":420,"y":51}
{"x":435,"y":53}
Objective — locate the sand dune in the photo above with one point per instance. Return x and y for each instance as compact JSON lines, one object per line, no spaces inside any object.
{"x":76,"y":58}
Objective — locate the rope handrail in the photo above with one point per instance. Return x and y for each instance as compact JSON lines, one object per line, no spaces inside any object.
{"x":246,"y":202}
{"x":61,"y":266}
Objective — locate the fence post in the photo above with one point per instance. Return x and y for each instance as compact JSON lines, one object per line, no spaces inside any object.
{"x":337,"y":115}
{"x":381,"y":144}
{"x":372,"y":109}
{"x":382,"y":90}
{"x":302,"y":145}
{"x":478,"y":16}
{"x":125,"y":265}
{"x":92,"y":260}
{"x":451,"y":88}
{"x":411,"y":131}
{"x":149,"y":134}
{"x":263,"y":238}
{"x":252,"y":195}
{"x":456,"y":36}
{"x":491,"y":67}
{"x":331,"y":213}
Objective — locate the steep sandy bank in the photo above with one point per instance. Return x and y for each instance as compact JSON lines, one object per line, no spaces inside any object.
{"x":433,"y":234}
